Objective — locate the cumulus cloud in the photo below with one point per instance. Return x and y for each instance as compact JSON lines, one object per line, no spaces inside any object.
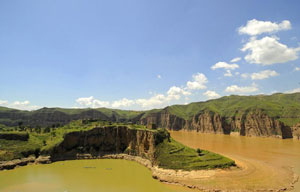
{"x":91,"y":102}
{"x":263,"y":75}
{"x":245,"y":75}
{"x":3,"y":102}
{"x":297,"y":69}
{"x":199,"y":82}
{"x":228,"y":73}
{"x":235,"y":60}
{"x":211,"y":94}
{"x":123,"y":103}
{"x":155,"y":101}
{"x":225,"y":65}
{"x":85,"y":101}
{"x":176,"y":92}
{"x":22,"y":105}
{"x":158,"y":76}
{"x":296,"y":90}
{"x":268,"y":51}
{"x":242,"y":90}
{"x":255,"y":27}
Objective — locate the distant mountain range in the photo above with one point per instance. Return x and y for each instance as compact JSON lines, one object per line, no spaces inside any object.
{"x":259,"y":115}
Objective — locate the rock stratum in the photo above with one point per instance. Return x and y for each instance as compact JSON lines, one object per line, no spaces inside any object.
{"x":101,"y":141}
{"x":276,"y":115}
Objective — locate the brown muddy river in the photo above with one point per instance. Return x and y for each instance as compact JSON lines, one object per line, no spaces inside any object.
{"x":267,"y":164}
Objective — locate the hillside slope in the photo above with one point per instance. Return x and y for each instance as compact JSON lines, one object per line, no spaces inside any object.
{"x":260,"y":115}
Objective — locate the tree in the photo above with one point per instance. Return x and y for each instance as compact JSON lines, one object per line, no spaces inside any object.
{"x":47,"y":130}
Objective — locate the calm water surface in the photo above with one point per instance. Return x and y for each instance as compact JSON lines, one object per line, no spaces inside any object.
{"x":103,"y":175}
{"x":268,"y":161}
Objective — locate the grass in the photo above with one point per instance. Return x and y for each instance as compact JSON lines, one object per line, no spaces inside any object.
{"x":169,"y":153}
{"x":44,"y":142}
{"x":173,"y":155}
{"x":284,"y":107}
{"x":15,"y":149}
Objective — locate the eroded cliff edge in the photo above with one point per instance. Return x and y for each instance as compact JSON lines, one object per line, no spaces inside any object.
{"x":100,"y":141}
{"x":276,"y":115}
{"x":254,"y":123}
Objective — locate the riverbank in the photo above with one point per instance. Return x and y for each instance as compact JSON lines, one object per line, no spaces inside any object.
{"x":268,"y":164}
{"x":191,"y":179}
{"x":167,"y":176}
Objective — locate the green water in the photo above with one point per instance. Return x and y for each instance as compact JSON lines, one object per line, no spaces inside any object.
{"x":107,"y":175}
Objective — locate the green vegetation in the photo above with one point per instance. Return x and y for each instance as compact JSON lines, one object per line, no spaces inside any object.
{"x":169,"y":153}
{"x":284,"y":107}
{"x":43,"y":139}
{"x":173,"y":155}
{"x":14,"y":149}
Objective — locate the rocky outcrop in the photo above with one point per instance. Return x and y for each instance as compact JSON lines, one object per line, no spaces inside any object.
{"x":164,"y":119}
{"x":296,"y":131}
{"x":16,"y":162}
{"x":109,"y":140}
{"x":259,"y":124}
{"x":255,"y":123}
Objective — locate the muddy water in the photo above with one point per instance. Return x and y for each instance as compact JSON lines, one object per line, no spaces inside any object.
{"x":107,"y":175}
{"x":268,"y":162}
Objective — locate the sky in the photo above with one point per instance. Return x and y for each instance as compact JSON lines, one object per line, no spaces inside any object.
{"x":139,"y":55}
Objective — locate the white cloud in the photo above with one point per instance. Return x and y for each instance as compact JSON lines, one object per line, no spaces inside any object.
{"x":268,"y":51}
{"x":176,"y":92}
{"x":228,"y":73}
{"x":235,"y":60}
{"x":98,"y":103}
{"x":123,"y":103}
{"x":155,"y":101}
{"x":3,"y":102}
{"x":85,"y":101}
{"x":159,"y":76}
{"x":297,"y":69}
{"x":211,"y":94}
{"x":263,"y":74}
{"x":245,"y":75}
{"x":22,"y":105}
{"x":91,"y":102}
{"x":199,"y":82}
{"x":224,"y":65}
{"x":296,"y":90}
{"x":237,"y":89}
{"x":255,"y":27}
{"x":237,"y":73}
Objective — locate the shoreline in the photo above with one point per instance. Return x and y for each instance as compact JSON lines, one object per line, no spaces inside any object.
{"x":167,"y":176}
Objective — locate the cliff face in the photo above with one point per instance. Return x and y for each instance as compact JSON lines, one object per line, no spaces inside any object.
{"x":259,"y":124}
{"x":109,"y":140}
{"x":254,"y":123}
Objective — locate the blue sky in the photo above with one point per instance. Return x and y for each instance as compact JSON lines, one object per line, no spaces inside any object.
{"x":135,"y":54}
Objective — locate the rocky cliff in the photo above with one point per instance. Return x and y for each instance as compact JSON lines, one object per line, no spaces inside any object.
{"x":259,"y":115}
{"x":109,"y":140}
{"x":255,"y":123}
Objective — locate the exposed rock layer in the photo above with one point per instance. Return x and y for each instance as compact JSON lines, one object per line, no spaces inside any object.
{"x":254,"y":123}
{"x":247,"y":123}
{"x":109,"y":140}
